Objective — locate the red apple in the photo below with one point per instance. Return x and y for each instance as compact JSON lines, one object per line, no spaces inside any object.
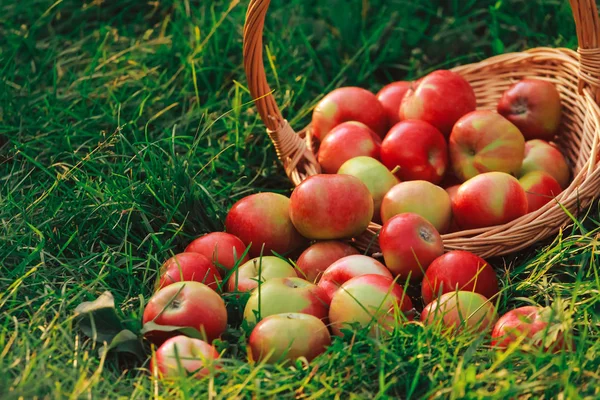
{"x":533,"y":105}
{"x":288,"y":336}
{"x":409,"y":243}
{"x":535,"y":326}
{"x":418,"y":149}
{"x":390,"y":97}
{"x":186,"y":304}
{"x":318,"y":257}
{"x":540,"y":188}
{"x":331,"y":207}
{"x":459,"y":270}
{"x":419,"y":197}
{"x":440,"y":98}
{"x":484,"y":141}
{"x":347,"y":268}
{"x":452,"y":190}
{"x":489,"y":199}
{"x":345,"y":141}
{"x":378,"y":179}
{"x":366,"y":300}
{"x":542,"y":156}
{"x":285,"y":295}
{"x":461,"y":311}
{"x":259,"y":269}
{"x":223,"y":249}
{"x":182,"y":354}
{"x":189,"y":267}
{"x":263,"y":219}
{"x":348,"y":104}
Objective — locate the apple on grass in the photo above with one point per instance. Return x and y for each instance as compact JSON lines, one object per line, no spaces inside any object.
{"x":331,"y":207}
{"x":542,"y":156}
{"x":390,"y":97}
{"x":348,"y":104}
{"x":459,"y":270}
{"x":317,"y":258}
{"x":259,"y":269}
{"x":288,"y":336}
{"x":345,"y":141}
{"x":347,"y":268}
{"x":489,"y":199}
{"x":540,"y":188}
{"x":369,"y":300}
{"x":460,"y":311}
{"x":262,"y":219}
{"x":186,"y":305}
{"x":188,"y":267}
{"x":285,"y":295}
{"x":409,"y":243}
{"x":419,"y":197}
{"x":539,"y":327}
{"x":418,"y":151}
{"x":484,"y":141}
{"x":533,"y":105}
{"x":182,"y":355}
{"x":223,"y":249}
{"x":440,"y":98}
{"x":376,"y":177}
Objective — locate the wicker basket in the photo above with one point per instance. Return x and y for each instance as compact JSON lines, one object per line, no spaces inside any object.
{"x":576,"y":75}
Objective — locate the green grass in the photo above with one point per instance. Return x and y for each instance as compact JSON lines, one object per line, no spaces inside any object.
{"x":129,"y":134}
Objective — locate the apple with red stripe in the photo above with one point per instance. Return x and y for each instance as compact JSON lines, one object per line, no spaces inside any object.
{"x":347,"y":268}
{"x":489,"y":199}
{"x":440,"y":98}
{"x":182,"y":354}
{"x":331,"y":207}
{"x":460,"y":311}
{"x":543,"y":156}
{"x":260,"y":269}
{"x":345,"y":141}
{"x":189,"y":267}
{"x":263,"y":219}
{"x":484,"y":141}
{"x":348,"y":104}
{"x":287,"y":337}
{"x":318,"y":257}
{"x":390,"y":97}
{"x":540,"y":189}
{"x":223,"y":249}
{"x":285,"y":295}
{"x":369,"y":300}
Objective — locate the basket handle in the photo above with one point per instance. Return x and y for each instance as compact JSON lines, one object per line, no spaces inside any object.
{"x":293,"y":148}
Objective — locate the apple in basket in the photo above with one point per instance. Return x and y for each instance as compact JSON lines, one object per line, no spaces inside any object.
{"x":484,"y":141}
{"x":345,"y":141}
{"x":409,"y":243}
{"x":540,"y":188}
{"x":378,"y":179}
{"x":182,"y":354}
{"x":262,"y":219}
{"x":440,"y":98}
{"x":417,"y":150}
{"x":419,"y":197}
{"x":460,"y":311}
{"x":459,"y":270}
{"x":288,"y":336}
{"x":348,"y":104}
{"x":347,"y":268}
{"x":390,"y":96}
{"x":542,"y":156}
{"x":331,"y":207}
{"x":223,"y":249}
{"x":317,"y":258}
{"x":185,"y":305}
{"x":489,"y":199}
{"x":533,"y":105}
{"x":369,"y":300}
{"x":259,"y":269}
{"x":285,"y":295}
